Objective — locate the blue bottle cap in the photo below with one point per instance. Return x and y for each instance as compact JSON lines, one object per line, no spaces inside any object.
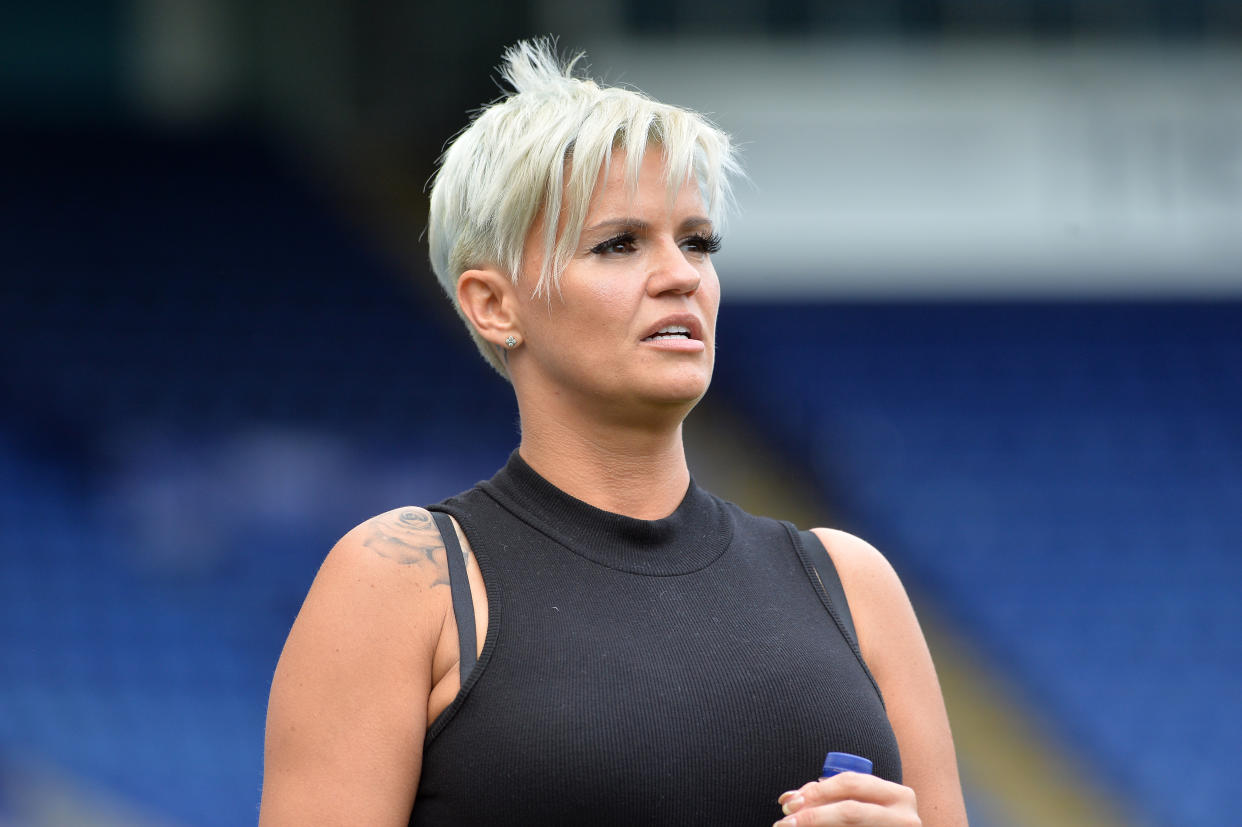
{"x":844,"y":762}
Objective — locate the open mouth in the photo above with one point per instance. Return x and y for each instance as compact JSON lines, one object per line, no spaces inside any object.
{"x":673,"y":331}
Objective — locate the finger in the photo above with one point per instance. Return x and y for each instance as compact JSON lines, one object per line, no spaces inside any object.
{"x":852,"y":814}
{"x":848,"y":786}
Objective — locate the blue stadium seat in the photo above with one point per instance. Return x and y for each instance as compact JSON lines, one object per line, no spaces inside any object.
{"x":1062,"y":478}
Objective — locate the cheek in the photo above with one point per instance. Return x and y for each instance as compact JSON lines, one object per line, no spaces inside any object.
{"x":603,"y":306}
{"x":709,"y":295}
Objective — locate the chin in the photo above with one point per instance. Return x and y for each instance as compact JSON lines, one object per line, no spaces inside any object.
{"x":686,"y":389}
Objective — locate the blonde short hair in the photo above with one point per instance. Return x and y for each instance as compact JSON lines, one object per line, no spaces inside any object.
{"x":541,"y":146}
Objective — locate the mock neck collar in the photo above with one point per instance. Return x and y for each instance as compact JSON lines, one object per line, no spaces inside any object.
{"x":690,"y":538}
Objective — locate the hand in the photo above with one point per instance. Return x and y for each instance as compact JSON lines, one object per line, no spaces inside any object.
{"x":849,"y":799}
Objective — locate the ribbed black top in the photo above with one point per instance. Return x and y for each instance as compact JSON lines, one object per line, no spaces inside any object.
{"x":682,"y":670}
{"x":690,"y":538}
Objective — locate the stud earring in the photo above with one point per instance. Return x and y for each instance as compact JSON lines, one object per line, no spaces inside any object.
{"x":511,"y":342}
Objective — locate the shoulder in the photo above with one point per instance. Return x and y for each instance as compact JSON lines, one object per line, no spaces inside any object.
{"x":380,"y":576}
{"x":348,"y":705}
{"x":374,"y":604}
{"x":399,"y":550}
{"x":386,"y":568}
{"x":857,"y":560}
{"x":895,"y":650}
{"x":407,"y":538}
{"x":878,"y":601}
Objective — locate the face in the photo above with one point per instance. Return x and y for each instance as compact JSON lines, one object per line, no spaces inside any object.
{"x":633,"y":325}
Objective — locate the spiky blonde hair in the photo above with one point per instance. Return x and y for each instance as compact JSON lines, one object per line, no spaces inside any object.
{"x":541,"y":146}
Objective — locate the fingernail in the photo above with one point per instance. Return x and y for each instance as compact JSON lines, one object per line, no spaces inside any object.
{"x":786,"y":822}
{"x":785,"y":797}
{"x":792,"y":805}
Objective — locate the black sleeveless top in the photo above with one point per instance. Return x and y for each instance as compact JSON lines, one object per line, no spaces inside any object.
{"x":684,"y":670}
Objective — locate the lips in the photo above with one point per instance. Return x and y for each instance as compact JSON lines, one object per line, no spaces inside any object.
{"x":682,"y":326}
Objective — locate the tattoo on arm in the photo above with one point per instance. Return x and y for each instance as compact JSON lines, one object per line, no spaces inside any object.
{"x":410,"y":537}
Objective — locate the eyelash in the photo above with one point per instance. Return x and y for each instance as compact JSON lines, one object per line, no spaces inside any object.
{"x":604,"y":247}
{"x":707,"y":244}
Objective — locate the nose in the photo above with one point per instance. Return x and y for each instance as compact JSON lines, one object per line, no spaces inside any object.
{"x":672,"y":272}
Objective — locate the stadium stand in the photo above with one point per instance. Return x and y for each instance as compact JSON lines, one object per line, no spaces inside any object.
{"x":1063,"y":479}
{"x":201,"y":355}
{"x":197,"y":349}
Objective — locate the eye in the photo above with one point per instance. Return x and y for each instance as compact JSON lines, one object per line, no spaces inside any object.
{"x":702,"y":244}
{"x":619,"y":244}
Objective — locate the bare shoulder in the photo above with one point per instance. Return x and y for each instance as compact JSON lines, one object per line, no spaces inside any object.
{"x":848,"y":549}
{"x":895,"y":650}
{"x":377,"y":589}
{"x":868,"y":578}
{"x":406,"y":536}
{"x":347,"y":713}
{"x":882,"y":612}
{"x":385,"y":569}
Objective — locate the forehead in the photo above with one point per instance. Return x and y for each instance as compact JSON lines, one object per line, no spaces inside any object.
{"x":619,"y":187}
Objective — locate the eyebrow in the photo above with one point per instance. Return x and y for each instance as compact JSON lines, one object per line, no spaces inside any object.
{"x":638,"y":225}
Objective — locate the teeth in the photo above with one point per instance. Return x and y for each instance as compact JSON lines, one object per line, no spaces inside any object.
{"x":673,"y":331}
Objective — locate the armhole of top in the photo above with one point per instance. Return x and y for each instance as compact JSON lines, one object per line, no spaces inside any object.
{"x":459,"y":588}
{"x":826,"y":570}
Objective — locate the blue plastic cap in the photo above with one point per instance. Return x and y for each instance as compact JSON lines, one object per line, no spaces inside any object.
{"x":844,"y":762}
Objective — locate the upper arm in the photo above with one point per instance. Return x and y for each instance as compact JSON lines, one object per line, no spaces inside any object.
{"x":893,"y":646}
{"x":348,"y":707}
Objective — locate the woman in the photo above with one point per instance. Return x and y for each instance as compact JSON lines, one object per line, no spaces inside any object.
{"x":619,"y":646}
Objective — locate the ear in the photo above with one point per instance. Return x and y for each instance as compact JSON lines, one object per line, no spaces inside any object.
{"x":489,"y":300}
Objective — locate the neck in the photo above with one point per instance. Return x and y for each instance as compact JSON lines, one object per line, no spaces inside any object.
{"x":624,"y":468}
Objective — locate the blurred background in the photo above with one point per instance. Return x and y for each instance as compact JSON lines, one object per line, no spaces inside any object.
{"x":983,"y":306}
